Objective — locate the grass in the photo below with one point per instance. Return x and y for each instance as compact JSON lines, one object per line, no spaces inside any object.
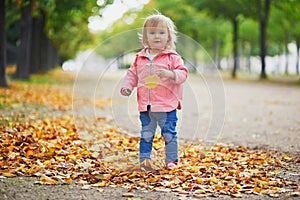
{"x":55,"y":76}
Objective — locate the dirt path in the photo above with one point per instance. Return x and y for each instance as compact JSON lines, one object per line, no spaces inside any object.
{"x":263,"y":114}
{"x":253,"y":114}
{"x":256,"y":114}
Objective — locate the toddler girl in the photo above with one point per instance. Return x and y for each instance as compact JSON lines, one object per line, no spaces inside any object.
{"x":158,"y":72}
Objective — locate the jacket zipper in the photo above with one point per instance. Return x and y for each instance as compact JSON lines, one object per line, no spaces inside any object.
{"x":150,"y":70}
{"x":149,"y":96}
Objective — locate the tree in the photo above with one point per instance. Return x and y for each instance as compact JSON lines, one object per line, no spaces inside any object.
{"x":38,"y":44}
{"x":249,"y":40}
{"x":291,"y":9}
{"x":208,"y":32}
{"x":259,"y":10}
{"x":3,"y":80}
{"x":53,"y":24}
{"x":263,"y":9}
{"x":66,"y":26}
{"x":25,"y":38}
{"x":279,"y":35}
{"x":231,"y":10}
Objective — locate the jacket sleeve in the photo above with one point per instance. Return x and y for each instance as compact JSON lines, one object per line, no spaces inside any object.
{"x":181,"y":72}
{"x":131,"y":78}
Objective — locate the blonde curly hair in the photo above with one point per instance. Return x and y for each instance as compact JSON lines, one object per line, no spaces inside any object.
{"x":153,"y":21}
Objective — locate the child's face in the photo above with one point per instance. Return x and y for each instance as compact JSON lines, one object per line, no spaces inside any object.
{"x":157,"y":37}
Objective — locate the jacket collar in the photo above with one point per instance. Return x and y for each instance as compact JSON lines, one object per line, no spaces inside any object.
{"x":166,"y":51}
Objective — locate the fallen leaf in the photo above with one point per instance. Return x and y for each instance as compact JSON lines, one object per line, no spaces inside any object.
{"x":7,"y":174}
{"x":47,"y":180}
{"x":295,"y":194}
{"x":128,"y":195}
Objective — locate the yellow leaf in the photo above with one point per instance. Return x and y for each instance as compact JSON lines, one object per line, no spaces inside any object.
{"x":125,"y":141}
{"x":133,"y":174}
{"x":39,"y":134}
{"x":100,"y":184}
{"x":199,"y":180}
{"x":185,"y":173}
{"x":71,"y":157}
{"x":287,"y":157}
{"x":257,"y":189}
{"x":86,"y":152}
{"x":152,"y":180}
{"x":8,"y":174}
{"x":151,"y":82}
{"x":237,"y":195}
{"x":60,"y":158}
{"x":194,"y":170}
{"x":51,"y":151}
{"x":47,"y":162}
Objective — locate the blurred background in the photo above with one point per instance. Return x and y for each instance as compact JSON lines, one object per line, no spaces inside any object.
{"x":259,"y":38}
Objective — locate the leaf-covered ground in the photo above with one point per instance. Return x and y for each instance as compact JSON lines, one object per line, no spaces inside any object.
{"x":94,"y":154}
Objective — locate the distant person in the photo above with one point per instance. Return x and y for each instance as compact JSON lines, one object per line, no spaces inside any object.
{"x":158,"y":72}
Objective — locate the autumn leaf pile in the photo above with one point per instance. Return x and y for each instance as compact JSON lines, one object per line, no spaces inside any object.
{"x":35,"y":94}
{"x":94,"y":153}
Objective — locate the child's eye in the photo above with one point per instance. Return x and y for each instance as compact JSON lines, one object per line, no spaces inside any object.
{"x":162,"y":32}
{"x":152,"y":33}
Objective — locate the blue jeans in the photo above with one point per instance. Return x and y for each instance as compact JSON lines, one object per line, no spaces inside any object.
{"x":167,"y":122}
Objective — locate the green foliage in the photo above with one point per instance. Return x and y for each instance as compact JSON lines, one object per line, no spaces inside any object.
{"x":67,"y":26}
{"x":66,"y":22}
{"x":114,"y":46}
{"x":249,"y":36}
{"x":207,"y":22}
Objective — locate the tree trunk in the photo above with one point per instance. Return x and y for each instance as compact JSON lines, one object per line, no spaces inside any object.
{"x":297,"y":55}
{"x":235,"y":47}
{"x":25,"y":47}
{"x":263,"y":19}
{"x":36,"y":44}
{"x":55,"y":59}
{"x":217,"y":53}
{"x":248,"y":63}
{"x":3,"y":80}
{"x":286,"y":53}
{"x":44,"y":53}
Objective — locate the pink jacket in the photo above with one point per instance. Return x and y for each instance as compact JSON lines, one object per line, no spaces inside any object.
{"x":167,"y":95}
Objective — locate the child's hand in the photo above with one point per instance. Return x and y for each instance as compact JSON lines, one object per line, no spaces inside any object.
{"x":125,"y":91}
{"x":164,"y":73}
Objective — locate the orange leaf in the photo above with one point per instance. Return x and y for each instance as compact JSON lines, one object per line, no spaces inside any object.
{"x":29,"y":153}
{"x":47,"y":180}
{"x":128,"y":195}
